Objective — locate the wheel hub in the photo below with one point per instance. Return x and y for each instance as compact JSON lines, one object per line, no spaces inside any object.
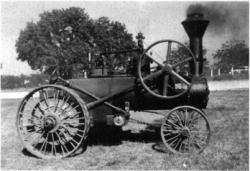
{"x":185,"y":132}
{"x":51,"y":123}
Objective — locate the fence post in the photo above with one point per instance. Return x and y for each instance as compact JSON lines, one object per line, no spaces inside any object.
{"x":232,"y":70}
{"x":219,"y":72}
{"x":212,"y":72}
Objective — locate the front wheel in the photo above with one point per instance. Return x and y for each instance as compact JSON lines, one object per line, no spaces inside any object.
{"x":52,"y":122}
{"x":185,"y":129}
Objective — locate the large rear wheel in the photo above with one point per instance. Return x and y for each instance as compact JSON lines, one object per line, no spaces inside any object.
{"x":52,"y":122}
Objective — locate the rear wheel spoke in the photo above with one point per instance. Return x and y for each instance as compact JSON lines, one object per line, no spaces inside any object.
{"x":63,"y":144}
{"x":44,"y":143}
{"x":54,"y":147}
{"x":60,"y":143}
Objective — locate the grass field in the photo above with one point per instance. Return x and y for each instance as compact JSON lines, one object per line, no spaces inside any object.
{"x":228,"y":149}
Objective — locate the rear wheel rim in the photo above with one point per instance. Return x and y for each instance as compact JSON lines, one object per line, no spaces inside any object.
{"x":52,"y":122}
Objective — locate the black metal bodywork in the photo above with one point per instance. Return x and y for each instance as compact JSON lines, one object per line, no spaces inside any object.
{"x":112,"y":92}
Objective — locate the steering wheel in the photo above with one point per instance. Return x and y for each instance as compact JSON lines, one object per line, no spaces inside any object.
{"x":158,"y":69}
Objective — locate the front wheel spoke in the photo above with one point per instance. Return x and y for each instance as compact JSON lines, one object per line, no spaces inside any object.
{"x":176,"y":126}
{"x":170,"y":144}
{"x":189,"y":144}
{"x":166,"y":133}
{"x":185,"y":145}
{"x":193,"y":120}
{"x":173,"y":138}
{"x":171,"y":130}
{"x":181,"y":146}
{"x":178,"y":118}
{"x":178,"y":142}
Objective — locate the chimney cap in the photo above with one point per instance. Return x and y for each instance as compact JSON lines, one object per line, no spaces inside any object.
{"x":195,"y":15}
{"x":195,"y":25}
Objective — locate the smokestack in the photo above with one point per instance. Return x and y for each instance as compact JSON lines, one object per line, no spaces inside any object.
{"x":195,"y":26}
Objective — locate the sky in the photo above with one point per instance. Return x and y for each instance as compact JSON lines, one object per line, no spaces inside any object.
{"x":156,"y":20}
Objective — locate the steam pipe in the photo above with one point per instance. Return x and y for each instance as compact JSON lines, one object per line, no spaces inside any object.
{"x":196,"y":47}
{"x":195,"y":26}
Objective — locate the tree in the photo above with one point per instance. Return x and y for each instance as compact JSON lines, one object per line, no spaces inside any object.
{"x":232,"y":53}
{"x":64,"y":37}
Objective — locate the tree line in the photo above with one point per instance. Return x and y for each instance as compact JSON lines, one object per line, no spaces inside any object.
{"x":61,"y":41}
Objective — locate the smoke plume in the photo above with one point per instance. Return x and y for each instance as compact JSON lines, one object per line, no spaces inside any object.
{"x":225,"y":17}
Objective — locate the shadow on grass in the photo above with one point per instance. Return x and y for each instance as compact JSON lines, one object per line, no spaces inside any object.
{"x":104,"y":135}
{"x":27,"y":153}
{"x":110,"y":135}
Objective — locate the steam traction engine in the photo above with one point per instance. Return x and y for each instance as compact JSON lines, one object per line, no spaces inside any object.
{"x":54,"y":120}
